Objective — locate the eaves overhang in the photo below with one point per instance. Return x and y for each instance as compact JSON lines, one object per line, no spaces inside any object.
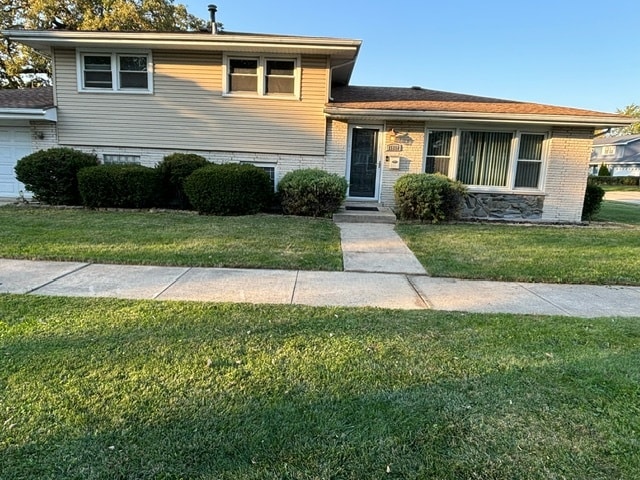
{"x":593,"y":121}
{"x":45,"y":40}
{"x":46,"y":114}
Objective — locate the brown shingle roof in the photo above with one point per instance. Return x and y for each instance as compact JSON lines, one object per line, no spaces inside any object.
{"x":26,"y":98}
{"x":423,"y":100}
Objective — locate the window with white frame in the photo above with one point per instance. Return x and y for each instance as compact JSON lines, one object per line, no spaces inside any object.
{"x":502,"y":159}
{"x":280,"y":77}
{"x":262,"y":76}
{"x":243,"y":75}
{"x":483,"y":158}
{"x":609,"y":150}
{"x":529,"y":164}
{"x":114,"y":72}
{"x":438,"y":151}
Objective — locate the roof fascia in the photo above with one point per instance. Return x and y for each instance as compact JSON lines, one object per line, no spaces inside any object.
{"x":48,"y":114}
{"x":45,"y":39}
{"x":560,"y":120}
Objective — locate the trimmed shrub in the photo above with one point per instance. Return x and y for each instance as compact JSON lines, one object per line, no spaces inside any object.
{"x":229,"y":189}
{"x":621,"y":180}
{"x":52,"y":174}
{"x":428,"y":197}
{"x":603,"y":171}
{"x":311,"y":192}
{"x":592,"y":200}
{"x":173,"y":170}
{"x":119,"y":186}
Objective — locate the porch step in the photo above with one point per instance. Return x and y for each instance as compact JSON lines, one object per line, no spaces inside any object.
{"x":364,"y":212}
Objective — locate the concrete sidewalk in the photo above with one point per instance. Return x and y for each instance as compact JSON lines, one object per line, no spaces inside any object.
{"x":354,"y":289}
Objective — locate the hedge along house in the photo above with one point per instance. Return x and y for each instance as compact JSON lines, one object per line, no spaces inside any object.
{"x":284,"y":103}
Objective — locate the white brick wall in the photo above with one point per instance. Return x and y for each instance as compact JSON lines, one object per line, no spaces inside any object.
{"x":411,"y":137}
{"x":48,"y":132}
{"x":567,"y":172}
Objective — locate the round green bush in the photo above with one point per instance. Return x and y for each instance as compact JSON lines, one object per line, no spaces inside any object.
{"x":592,"y":200}
{"x":311,"y":192}
{"x":119,"y":186}
{"x":229,"y":189}
{"x":428,"y":197}
{"x":51,"y":175}
{"x":174,"y":169}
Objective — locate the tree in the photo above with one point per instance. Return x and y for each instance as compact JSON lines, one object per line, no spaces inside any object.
{"x":21,"y":66}
{"x":603,"y":171}
{"x":632,"y":110}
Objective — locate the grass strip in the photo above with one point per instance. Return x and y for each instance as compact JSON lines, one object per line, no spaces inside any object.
{"x":99,"y":388}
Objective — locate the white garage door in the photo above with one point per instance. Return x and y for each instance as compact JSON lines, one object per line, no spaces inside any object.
{"x":15,"y":143}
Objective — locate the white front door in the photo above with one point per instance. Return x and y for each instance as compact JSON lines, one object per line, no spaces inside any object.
{"x":364,"y":162}
{"x":15,"y":143}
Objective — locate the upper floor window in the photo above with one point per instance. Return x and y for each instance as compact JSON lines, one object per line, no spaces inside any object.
{"x":609,"y":150}
{"x":243,"y":75}
{"x":262,"y":76}
{"x":115,"y":72}
{"x":280,"y":77}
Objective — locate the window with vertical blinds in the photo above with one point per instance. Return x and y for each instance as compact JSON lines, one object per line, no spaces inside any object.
{"x":484,"y":158}
{"x":507,"y":159}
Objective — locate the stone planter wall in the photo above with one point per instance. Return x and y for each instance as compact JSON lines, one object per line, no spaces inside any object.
{"x":497,"y":206}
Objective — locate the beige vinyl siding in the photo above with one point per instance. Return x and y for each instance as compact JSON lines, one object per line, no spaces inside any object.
{"x":188,"y":111}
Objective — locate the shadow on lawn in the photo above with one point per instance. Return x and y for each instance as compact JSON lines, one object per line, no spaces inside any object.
{"x":127,"y":399}
{"x":451,"y":429}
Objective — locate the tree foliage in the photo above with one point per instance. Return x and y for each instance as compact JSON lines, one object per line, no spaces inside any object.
{"x":631,"y":110}
{"x":20,"y":66}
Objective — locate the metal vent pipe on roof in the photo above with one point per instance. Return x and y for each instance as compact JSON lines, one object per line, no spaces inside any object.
{"x":212,"y":12}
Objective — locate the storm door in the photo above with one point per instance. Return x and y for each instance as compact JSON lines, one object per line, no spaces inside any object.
{"x":364,"y":163}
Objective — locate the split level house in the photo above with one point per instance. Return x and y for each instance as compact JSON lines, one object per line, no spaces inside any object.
{"x":285,"y":103}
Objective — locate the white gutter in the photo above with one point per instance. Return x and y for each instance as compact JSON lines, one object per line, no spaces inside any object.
{"x":48,"y":114}
{"x":564,"y":120}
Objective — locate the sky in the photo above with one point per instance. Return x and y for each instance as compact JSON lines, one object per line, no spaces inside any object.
{"x":573,"y":53}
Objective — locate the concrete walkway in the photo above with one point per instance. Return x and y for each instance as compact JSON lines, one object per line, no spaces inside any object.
{"x":368,"y":247}
{"x":314,"y":288}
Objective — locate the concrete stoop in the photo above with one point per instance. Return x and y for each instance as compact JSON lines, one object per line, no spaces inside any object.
{"x":364,"y":212}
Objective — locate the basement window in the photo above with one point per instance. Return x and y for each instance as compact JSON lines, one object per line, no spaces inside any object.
{"x":268,"y":168}
{"x":109,"y":158}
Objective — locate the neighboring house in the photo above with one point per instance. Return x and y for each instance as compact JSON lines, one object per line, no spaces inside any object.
{"x":285,"y":103}
{"x":621,"y":155}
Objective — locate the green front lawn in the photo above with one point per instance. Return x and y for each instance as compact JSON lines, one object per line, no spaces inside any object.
{"x":593,"y":254}
{"x":102,"y":389}
{"x":170,"y":238}
{"x":618,"y":212}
